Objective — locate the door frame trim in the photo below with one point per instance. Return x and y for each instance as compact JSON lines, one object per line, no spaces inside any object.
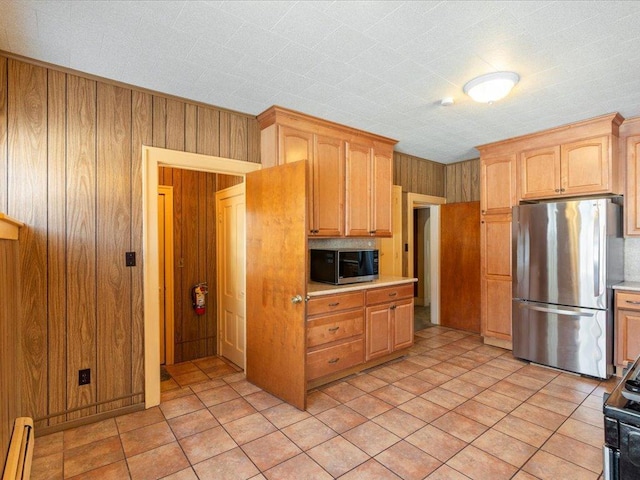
{"x":418,"y":200}
{"x":152,"y":158}
{"x":169,"y":325}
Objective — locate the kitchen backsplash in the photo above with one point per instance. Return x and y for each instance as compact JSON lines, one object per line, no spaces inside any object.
{"x":632,"y":259}
{"x":362,"y":243}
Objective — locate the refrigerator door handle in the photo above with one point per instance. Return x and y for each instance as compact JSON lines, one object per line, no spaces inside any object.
{"x":597,"y":284}
{"x":557,"y":311}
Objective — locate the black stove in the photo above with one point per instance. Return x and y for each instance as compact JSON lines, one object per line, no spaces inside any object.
{"x":622,"y":428}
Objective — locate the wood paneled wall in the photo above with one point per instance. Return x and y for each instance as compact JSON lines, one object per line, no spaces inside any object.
{"x":194,"y":240}
{"x":463,"y":181}
{"x":9,"y":341}
{"x":70,"y":167}
{"x":417,"y":175}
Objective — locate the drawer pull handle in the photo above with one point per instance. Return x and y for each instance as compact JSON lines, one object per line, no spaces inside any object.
{"x":335,"y":304}
{"x":633,"y":302}
{"x":393,"y":307}
{"x":333,"y":329}
{"x":334,"y":360}
{"x":393,"y":294}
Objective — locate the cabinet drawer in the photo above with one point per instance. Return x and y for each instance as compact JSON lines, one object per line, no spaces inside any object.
{"x":628,"y":301}
{"x":333,"y":359}
{"x":334,"y":303}
{"x":335,"y":327}
{"x":389,"y":294}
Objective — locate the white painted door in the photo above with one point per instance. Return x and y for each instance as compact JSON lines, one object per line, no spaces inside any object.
{"x":230,"y":252}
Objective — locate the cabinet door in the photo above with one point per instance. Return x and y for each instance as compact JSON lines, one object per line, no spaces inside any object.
{"x":294,"y":145}
{"x":497,"y":184}
{"x":496,"y":308}
{"x":585,"y":166}
{"x":358,"y":190}
{"x":496,"y":247}
{"x":539,"y":173}
{"x":627,"y":336}
{"x":402,"y":324}
{"x":327,"y":192}
{"x":632,"y":193}
{"x":381,"y":190}
{"x":378,"y":331}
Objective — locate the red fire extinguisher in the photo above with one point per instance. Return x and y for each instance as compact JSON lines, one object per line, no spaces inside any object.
{"x":198,"y":292}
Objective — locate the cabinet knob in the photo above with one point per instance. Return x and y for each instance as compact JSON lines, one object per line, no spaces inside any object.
{"x":393,"y":294}
{"x":562,"y":189}
{"x":334,"y":360}
{"x":392,"y":307}
{"x":334,"y":304}
{"x":633,"y":302}
{"x":297,"y":299}
{"x":333,"y":329}
{"x":557,"y":190}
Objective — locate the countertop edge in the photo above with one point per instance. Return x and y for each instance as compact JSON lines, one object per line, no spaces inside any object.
{"x":316,"y":289}
{"x":629,"y":286}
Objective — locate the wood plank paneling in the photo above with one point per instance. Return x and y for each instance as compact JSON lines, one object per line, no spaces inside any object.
{"x":72,"y":146}
{"x":417,"y":175}
{"x":210,"y":260}
{"x":56,"y":244}
{"x":463,"y":181}
{"x":27,"y":184}
{"x":113,"y":168}
{"x":82,"y":217}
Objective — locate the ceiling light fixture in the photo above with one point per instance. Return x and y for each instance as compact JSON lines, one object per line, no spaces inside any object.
{"x":491,"y":87}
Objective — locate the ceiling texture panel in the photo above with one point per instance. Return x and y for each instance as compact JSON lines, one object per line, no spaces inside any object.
{"x":382,"y":66}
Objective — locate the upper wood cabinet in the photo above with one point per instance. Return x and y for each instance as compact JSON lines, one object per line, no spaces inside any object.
{"x":583,"y":167}
{"x":497,"y":183}
{"x":350,"y":172}
{"x":630,"y":146}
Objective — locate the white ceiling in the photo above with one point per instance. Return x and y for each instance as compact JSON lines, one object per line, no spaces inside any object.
{"x":381,"y":66}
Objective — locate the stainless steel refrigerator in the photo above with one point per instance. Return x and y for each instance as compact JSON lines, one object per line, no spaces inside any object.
{"x":566,"y":257}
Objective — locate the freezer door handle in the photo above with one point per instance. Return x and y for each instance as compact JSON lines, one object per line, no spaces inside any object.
{"x":596,"y":252}
{"x":557,"y":311}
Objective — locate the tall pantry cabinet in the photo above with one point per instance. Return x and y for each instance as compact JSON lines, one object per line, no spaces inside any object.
{"x":579,"y":159}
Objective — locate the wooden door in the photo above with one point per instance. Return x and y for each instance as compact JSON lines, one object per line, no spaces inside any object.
{"x":497,"y":184}
{"x":378,"y":331}
{"x":585,"y":167}
{"x":540,"y":173}
{"x":460,"y":266}
{"x":276,"y":278}
{"x":358,"y":191}
{"x":382,"y":179}
{"x":230,"y":252}
{"x":327,"y":193}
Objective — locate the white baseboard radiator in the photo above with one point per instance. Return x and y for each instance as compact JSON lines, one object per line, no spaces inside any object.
{"x":18,"y":464}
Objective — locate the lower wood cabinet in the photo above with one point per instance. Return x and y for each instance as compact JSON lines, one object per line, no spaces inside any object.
{"x":627,"y":327}
{"x":347,"y":330}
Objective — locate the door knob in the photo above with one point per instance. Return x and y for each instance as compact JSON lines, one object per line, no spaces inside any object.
{"x":297,"y":299}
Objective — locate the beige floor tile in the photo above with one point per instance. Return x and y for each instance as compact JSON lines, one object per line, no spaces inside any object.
{"x":539,"y":416}
{"x":462,"y":388}
{"x":113,"y":471}
{"x":190,"y":378}
{"x":505,"y":387}
{"x":268,"y":451}
{"x":249,"y":428}
{"x":405,"y":366}
{"x":575,"y":382}
{"x":479,"y":465}
{"x":541,"y":373}
{"x":92,"y":455}
{"x":491,"y":371}
{"x":370,"y":469}
{"x":504,"y":447}
{"x":444,"y":398}
{"x":135,"y":420}
{"x":521,"y":378}
{"x":207,"y":444}
{"x":460,"y":426}
{"x":546,"y":466}
{"x":399,"y":422}
{"x":436,"y":443}
{"x":220,"y":371}
{"x":180,"y":406}
{"x":408,"y":461}
{"x":584,"y":432}
{"x":337,"y":456}
{"x":85,"y":434}
{"x":508,"y":364}
{"x":393,"y":395}
{"x":371,"y":438}
{"x":423,"y":361}
{"x":449,"y":369}
{"x":48,"y":444}
{"x":574,"y":451}
{"x":186,"y":474}
{"x":432,"y":376}
{"x":284,"y":414}
{"x":262,"y":400}
{"x":159,"y":462}
{"x":554,"y":404}
{"x":423,"y":409}
{"x":215,"y":396}
{"x":341,"y":418}
{"x":47,"y":467}
{"x":174,"y":393}
{"x":522,"y":475}
{"x":146,"y":438}
{"x":588,"y":415}
{"x":414,"y":385}
{"x":232,"y":410}
{"x":243,"y":387}
{"x":192,"y":423}
{"x":466,"y":363}
{"x":480,"y":412}
{"x":565,"y":393}
{"x":388,"y":374}
{"x":209,"y":384}
{"x":318,"y":401}
{"x":445,"y":472}
{"x":475,"y":378}
{"x":528,"y":432}
{"x":368,"y":405}
{"x":182,"y":368}
{"x":299,"y":467}
{"x":478,"y":357}
{"x":497,"y":400}
{"x":343,"y":392}
{"x":366,"y":382}
{"x":309,"y":433}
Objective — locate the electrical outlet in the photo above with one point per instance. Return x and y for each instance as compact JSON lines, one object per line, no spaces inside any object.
{"x":130,"y":259}
{"x":84,"y":376}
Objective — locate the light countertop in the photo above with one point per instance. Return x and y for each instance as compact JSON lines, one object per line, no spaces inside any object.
{"x":631,"y":286}
{"x":316,"y":288}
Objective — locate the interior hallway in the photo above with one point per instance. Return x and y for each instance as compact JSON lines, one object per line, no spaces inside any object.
{"x":453,"y":409}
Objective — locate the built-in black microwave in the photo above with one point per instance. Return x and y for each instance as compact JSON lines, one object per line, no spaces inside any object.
{"x":340,"y":266}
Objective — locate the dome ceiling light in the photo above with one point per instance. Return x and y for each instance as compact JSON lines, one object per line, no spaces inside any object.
{"x":491,"y":87}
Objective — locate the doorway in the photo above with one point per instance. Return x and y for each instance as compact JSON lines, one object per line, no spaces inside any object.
{"x":152,"y":158}
{"x":423,"y":250}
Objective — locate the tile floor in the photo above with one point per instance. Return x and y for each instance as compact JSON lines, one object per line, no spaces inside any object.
{"x":453,"y":409}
